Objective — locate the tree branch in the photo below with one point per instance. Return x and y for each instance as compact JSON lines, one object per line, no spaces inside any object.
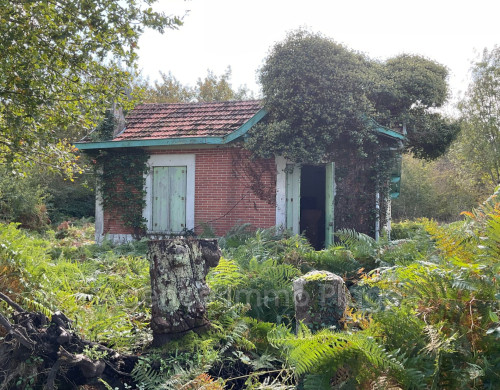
{"x":11,"y":303}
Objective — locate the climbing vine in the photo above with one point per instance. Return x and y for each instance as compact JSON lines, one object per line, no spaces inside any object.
{"x":358,"y":180}
{"x":121,"y":177}
{"x":259,"y":172}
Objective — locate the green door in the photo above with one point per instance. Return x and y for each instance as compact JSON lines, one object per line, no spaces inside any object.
{"x":293,"y":197}
{"x":329,"y":203}
{"x":169,"y":199}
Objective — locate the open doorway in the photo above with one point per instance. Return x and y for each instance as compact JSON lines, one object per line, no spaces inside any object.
{"x":312,"y":204}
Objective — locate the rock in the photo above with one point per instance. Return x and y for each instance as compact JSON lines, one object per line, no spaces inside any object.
{"x":320,"y":299}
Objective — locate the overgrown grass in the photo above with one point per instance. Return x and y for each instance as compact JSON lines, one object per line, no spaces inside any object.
{"x":424,"y":311}
{"x":104,"y":290}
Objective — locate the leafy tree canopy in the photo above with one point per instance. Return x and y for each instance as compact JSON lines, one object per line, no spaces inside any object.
{"x":212,"y":88}
{"x":318,"y":92}
{"x":62,"y":64}
{"x":215,"y":88}
{"x":167,"y":90}
{"x":479,"y":141}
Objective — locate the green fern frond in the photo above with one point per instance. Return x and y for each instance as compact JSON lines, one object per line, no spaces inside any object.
{"x":226,"y":276}
{"x":37,"y":306}
{"x":356,"y":241}
{"x":317,"y":381}
{"x":146,"y":376}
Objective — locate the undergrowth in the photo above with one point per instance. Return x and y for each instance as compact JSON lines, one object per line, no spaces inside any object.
{"x":423,"y":309}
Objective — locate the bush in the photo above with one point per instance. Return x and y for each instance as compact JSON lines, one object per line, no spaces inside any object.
{"x":23,"y":200}
{"x":435,"y":190}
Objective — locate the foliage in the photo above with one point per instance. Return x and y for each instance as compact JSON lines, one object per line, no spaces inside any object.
{"x":215,"y":88}
{"x":23,"y":199}
{"x":479,"y":143}
{"x":121,"y":184}
{"x":429,"y":133}
{"x":243,"y":245}
{"x":318,"y":92}
{"x":322,"y":354}
{"x":175,"y":371}
{"x":408,"y":80}
{"x":212,"y":88}
{"x":313,"y":91}
{"x":336,"y":259}
{"x":439,"y":189}
{"x":266,"y":287}
{"x":167,"y":90}
{"x":65,"y":67}
{"x":20,"y":259}
{"x":107,"y":295}
{"x":70,"y":199}
{"x":454,"y":301}
{"x":427,"y":317}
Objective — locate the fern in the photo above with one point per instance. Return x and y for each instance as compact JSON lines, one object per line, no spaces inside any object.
{"x":324,"y":352}
{"x":224,"y":278}
{"x":37,"y":306}
{"x":362,"y":245}
{"x":148,"y":377}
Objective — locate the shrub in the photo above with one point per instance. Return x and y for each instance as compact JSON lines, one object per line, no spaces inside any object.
{"x":22,"y":200}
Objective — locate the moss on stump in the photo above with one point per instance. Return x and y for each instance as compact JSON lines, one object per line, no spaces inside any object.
{"x":320,"y":299}
{"x":178,"y":268}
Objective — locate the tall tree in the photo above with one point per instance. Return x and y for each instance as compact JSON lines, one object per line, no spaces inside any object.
{"x":314,"y":91}
{"x":212,"y":88}
{"x":317,"y":91}
{"x":168,"y":90}
{"x":479,"y":141}
{"x":409,"y":90}
{"x":215,"y":88}
{"x":62,"y":64}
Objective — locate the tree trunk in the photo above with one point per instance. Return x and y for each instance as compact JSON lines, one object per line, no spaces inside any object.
{"x":178,"y":269}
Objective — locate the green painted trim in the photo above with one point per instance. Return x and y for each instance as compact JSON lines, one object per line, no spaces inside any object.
{"x":390,"y":133}
{"x":176,"y":141}
{"x":246,"y":126}
{"x":370,"y":122}
{"x":150,"y":142}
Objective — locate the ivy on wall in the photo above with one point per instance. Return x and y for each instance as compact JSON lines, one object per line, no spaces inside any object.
{"x":121,"y":182}
{"x":358,"y":180}
{"x":259,"y":173}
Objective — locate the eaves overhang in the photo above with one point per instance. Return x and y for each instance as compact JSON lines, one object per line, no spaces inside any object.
{"x":374,"y":125}
{"x":132,"y":143}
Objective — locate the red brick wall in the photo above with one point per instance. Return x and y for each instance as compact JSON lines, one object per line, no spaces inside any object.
{"x":113,"y":223}
{"x":225,"y":185}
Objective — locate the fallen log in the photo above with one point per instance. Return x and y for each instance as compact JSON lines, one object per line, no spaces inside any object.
{"x":42,"y":352}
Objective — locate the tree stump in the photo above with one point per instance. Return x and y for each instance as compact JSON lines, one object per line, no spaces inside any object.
{"x":178,"y":268}
{"x":320,"y":299}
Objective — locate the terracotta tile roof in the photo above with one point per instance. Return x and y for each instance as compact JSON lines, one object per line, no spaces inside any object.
{"x":182,"y":120}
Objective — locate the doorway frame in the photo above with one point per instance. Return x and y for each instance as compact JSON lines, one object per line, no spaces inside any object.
{"x":288,"y":198}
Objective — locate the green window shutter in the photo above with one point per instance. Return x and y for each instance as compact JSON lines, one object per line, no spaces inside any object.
{"x":177,"y":177}
{"x":169,"y":199}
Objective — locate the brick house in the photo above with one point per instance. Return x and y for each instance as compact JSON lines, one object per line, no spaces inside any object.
{"x":201,"y":176}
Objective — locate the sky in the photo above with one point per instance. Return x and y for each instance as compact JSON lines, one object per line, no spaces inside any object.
{"x":240,"y":33}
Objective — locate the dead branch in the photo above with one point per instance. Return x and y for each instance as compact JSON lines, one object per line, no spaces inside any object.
{"x":55,"y":352}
